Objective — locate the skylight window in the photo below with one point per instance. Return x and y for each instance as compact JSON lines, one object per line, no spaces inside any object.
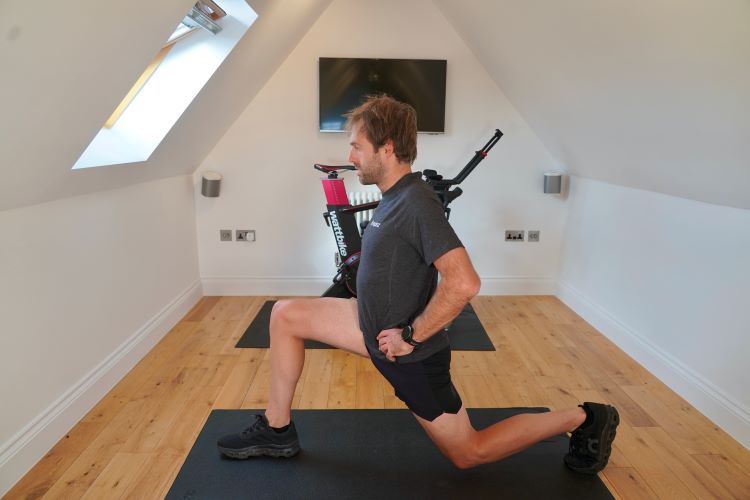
{"x":188,"y":59}
{"x":182,"y":30}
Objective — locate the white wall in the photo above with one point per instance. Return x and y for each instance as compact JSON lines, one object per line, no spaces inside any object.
{"x":668,"y":280}
{"x":88,"y":285}
{"x":267,"y":155}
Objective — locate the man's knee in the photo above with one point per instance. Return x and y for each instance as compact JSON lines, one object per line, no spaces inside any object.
{"x":468,"y":455}
{"x":285,"y":317}
{"x":463,"y":460}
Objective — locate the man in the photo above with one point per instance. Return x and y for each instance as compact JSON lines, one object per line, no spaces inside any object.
{"x":398,"y":318}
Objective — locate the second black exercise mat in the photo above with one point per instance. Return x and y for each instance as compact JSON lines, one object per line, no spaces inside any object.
{"x":466,"y":332}
{"x":374,"y":454}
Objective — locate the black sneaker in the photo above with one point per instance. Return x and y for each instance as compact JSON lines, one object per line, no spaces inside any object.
{"x":259,"y":439}
{"x":591,"y":446}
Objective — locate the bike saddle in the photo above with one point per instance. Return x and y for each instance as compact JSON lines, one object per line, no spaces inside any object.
{"x":333,"y":170}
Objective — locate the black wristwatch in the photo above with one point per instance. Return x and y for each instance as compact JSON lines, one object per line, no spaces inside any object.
{"x":407,"y":336}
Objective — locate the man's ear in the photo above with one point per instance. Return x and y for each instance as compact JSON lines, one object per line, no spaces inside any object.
{"x":388,"y":147}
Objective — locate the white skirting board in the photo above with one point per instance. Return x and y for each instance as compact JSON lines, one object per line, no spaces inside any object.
{"x":723,"y":410}
{"x":518,"y":286}
{"x":292,"y":287}
{"x":315,"y":286}
{"x":29,"y":445}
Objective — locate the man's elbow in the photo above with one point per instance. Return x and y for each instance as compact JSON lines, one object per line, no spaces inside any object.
{"x":471,"y":286}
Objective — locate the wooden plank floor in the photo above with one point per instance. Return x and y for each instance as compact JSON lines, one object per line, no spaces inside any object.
{"x":134,"y":441}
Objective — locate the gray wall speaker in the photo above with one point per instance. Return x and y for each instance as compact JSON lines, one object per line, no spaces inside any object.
{"x":553,"y":182}
{"x":211,"y":184}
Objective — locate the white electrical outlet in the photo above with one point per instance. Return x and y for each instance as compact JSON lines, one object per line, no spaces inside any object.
{"x":513,"y":235}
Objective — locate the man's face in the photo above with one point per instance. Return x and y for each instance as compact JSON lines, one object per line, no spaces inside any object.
{"x":370,"y":168}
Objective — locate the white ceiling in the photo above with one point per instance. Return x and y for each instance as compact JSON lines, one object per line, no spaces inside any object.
{"x":652,"y":94}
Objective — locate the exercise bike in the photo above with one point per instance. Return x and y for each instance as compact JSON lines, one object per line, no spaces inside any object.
{"x":341,"y":215}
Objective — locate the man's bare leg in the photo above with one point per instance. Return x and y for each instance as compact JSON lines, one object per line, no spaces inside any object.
{"x":329,"y":320}
{"x":466,"y":447}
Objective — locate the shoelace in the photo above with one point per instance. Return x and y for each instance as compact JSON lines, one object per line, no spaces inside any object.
{"x":257,"y":425}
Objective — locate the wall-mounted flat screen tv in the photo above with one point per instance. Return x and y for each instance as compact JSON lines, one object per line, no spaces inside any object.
{"x":345,"y":82}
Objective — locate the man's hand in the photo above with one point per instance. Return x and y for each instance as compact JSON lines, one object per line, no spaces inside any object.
{"x":391,"y":344}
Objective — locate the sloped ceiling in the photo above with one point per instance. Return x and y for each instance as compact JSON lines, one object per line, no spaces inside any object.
{"x":652,"y":94}
{"x":66,"y":65}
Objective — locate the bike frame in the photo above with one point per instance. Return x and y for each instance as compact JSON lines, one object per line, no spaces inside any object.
{"x":340,"y":214}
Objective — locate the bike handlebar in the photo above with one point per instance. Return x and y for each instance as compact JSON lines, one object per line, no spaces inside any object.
{"x":438,"y":182}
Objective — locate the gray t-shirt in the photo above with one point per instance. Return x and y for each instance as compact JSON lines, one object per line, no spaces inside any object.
{"x":396,"y":277}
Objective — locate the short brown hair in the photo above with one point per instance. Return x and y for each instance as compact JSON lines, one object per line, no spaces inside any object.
{"x":382,"y":117}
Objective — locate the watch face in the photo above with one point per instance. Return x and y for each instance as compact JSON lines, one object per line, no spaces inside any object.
{"x":406,"y":333}
{"x":407,"y":336}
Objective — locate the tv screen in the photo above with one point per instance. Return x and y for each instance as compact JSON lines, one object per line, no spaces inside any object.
{"x":345,"y":82}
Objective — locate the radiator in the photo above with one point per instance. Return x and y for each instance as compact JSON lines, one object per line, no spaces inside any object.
{"x":360,"y":197}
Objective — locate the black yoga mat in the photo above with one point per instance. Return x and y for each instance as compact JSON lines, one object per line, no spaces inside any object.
{"x":466,"y":333}
{"x":374,"y":454}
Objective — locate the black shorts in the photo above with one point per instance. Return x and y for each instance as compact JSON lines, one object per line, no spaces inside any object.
{"x":425,"y":386}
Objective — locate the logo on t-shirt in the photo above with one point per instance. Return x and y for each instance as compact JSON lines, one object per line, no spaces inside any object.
{"x":375,"y":224}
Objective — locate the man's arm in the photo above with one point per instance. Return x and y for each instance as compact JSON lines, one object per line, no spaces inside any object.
{"x":459,"y":283}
